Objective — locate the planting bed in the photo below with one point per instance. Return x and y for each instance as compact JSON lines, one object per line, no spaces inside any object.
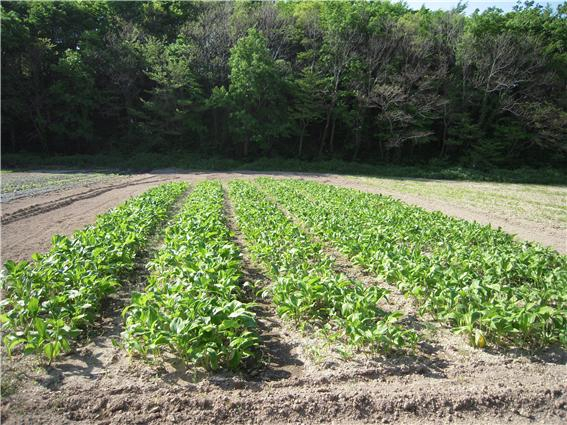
{"x":234,"y":298}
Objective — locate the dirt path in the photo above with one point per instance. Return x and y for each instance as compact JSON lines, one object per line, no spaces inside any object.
{"x":116,"y":391}
{"x":25,"y":184}
{"x":11,"y":206}
{"x":13,"y":214}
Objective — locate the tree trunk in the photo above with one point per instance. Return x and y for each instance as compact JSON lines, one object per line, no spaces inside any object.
{"x":129,"y":123}
{"x":216,"y":128}
{"x":40,"y":130}
{"x":13,"y":138}
{"x":246,"y":142}
{"x":332,"y":138}
{"x":357,"y":144}
{"x":325,"y":131}
{"x":381,"y":149}
{"x":223,"y":139}
{"x":445,"y":129}
{"x":300,"y":149}
{"x":397,"y":156}
{"x":412,"y":149}
{"x":329,"y":112}
{"x":463,"y":94}
{"x":483,"y":110}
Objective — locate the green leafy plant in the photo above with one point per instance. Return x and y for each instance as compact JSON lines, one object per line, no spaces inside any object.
{"x":191,"y":306}
{"x":306,"y":289}
{"x":52,"y":300}
{"x":480,"y":280}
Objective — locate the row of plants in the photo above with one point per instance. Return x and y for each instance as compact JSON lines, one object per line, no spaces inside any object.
{"x":192,"y":306}
{"x":306,"y":289}
{"x":480,"y":280}
{"x":51,"y":301}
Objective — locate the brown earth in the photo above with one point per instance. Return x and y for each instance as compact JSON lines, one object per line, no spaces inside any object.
{"x":28,"y":224}
{"x":302,"y":380}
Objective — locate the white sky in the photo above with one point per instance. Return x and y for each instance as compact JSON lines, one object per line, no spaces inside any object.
{"x":505,"y":5}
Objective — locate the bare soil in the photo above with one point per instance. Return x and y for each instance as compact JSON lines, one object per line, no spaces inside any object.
{"x":28,"y":224}
{"x":16,"y":185}
{"x":300,"y":379}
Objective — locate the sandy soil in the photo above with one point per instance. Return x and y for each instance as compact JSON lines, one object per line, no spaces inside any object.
{"x":301,"y":379}
{"x":545,"y":205}
{"x":16,"y":185}
{"x":28,"y":224}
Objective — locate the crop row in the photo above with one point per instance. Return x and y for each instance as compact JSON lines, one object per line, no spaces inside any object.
{"x":191,"y":306}
{"x":480,"y":280}
{"x":51,"y":300}
{"x":306,"y":289}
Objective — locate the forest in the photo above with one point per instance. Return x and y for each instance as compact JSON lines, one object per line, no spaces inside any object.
{"x":370,"y":81}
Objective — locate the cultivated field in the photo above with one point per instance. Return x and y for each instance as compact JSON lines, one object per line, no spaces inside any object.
{"x":533,"y":212}
{"x":250,"y":298}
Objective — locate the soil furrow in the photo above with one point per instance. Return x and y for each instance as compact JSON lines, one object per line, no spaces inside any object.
{"x":279,"y":357}
{"x":394,"y":301}
{"x":22,"y":238}
{"x":68,"y":200}
{"x":98,"y":353}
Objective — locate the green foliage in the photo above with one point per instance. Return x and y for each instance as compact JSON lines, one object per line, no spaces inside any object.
{"x":306,"y":289}
{"x":75,"y":96}
{"x":308,"y":92}
{"x":170,"y":115}
{"x":256,"y":92}
{"x":52,"y":300}
{"x":317,"y":80}
{"x":480,"y":280}
{"x":191,"y":306}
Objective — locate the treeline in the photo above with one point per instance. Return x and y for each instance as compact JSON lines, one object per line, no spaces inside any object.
{"x":367,"y":81}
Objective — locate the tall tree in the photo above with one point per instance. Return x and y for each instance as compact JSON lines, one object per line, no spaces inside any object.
{"x":257,"y":93}
{"x":357,"y":80}
{"x":170,"y":116}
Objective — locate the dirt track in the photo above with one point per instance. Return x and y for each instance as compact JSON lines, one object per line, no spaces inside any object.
{"x":444,"y":381}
